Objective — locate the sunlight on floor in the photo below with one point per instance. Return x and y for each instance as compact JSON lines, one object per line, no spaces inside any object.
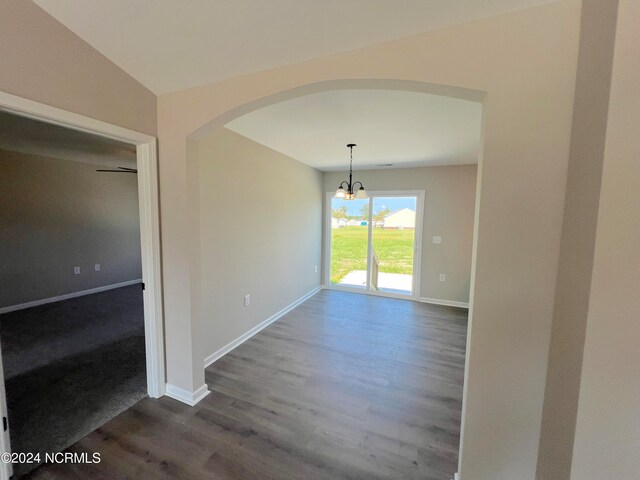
{"x":388,"y":282}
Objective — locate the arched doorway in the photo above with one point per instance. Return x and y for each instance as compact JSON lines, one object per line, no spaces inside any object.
{"x":207,"y":129}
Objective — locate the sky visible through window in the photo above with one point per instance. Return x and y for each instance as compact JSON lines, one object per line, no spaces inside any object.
{"x":392,"y":203}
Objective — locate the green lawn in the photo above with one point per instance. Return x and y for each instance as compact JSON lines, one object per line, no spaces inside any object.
{"x":349,"y":250}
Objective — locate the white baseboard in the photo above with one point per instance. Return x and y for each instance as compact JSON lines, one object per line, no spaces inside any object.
{"x":246,"y":336}
{"x":185,"y":396}
{"x":67,"y":296}
{"x":446,"y":303}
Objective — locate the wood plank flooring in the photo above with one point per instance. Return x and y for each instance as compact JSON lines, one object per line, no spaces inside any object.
{"x":346,"y":386}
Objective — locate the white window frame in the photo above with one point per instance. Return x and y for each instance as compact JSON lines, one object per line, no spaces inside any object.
{"x":417,"y":257}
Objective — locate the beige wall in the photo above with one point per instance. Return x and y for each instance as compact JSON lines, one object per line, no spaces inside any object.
{"x":449,"y":208}
{"x":578,"y":238}
{"x":607,"y":438}
{"x":58,"y":214}
{"x":257,"y":235}
{"x":525,"y":62}
{"x":44,"y":61}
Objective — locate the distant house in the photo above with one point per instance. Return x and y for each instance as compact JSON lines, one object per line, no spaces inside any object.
{"x":355,"y":223}
{"x":338,"y":222}
{"x":405,"y":218}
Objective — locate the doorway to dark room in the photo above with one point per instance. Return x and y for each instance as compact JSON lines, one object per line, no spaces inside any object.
{"x":72,"y":315}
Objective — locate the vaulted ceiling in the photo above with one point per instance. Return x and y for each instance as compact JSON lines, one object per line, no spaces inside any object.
{"x":170,"y":45}
{"x":404,"y":129}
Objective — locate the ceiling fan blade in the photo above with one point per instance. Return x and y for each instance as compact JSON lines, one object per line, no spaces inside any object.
{"x":128,"y":169}
{"x":118,"y":171}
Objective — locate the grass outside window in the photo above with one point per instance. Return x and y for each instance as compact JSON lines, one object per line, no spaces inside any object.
{"x":349,"y":250}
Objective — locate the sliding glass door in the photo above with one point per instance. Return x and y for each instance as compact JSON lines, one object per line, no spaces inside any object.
{"x":393,"y":244}
{"x":349,"y":242}
{"x":373,"y":244}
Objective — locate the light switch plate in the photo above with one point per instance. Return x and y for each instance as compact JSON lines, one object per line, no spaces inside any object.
{"x":76,"y":270}
{"x":437,"y":239}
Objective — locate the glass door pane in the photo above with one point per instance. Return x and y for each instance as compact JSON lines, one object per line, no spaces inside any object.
{"x":349,"y":242}
{"x":393,"y":244}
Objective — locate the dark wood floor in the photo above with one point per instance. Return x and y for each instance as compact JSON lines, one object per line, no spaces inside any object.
{"x":346,"y":386}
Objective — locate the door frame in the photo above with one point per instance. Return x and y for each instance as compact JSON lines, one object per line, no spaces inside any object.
{"x":417,"y":245}
{"x":147,"y":163}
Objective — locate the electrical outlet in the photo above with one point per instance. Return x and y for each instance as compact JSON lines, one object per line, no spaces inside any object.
{"x":443,"y":277}
{"x":76,"y":270}
{"x":247,"y":300}
{"x":315,"y":269}
{"x":97,"y":267}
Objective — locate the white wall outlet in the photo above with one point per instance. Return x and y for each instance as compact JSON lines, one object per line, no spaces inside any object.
{"x":437,"y":239}
{"x":247,"y":300}
{"x":315,"y":269}
{"x":76,"y":270}
{"x":97,"y":267}
{"x":443,"y":277}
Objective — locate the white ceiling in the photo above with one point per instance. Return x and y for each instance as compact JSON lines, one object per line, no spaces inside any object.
{"x":170,"y":45}
{"x":402,"y":128}
{"x":24,"y":135}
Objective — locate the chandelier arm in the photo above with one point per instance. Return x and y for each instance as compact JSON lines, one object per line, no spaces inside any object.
{"x":354,"y":185}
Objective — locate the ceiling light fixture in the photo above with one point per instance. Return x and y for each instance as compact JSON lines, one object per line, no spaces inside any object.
{"x":348,"y":193}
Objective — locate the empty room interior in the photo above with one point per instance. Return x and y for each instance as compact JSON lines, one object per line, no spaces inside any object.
{"x":320,"y":240}
{"x":71,"y":311}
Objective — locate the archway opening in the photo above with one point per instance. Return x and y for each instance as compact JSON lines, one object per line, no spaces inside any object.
{"x":262,"y":217}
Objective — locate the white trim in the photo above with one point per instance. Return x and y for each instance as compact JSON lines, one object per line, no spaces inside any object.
{"x":369,"y":273}
{"x":6,"y":468}
{"x":185,"y":396}
{"x":147,"y":163}
{"x":262,"y":325}
{"x":67,"y":296}
{"x":56,"y":116}
{"x":327,"y":238}
{"x":446,"y":303}
{"x":151,"y":266}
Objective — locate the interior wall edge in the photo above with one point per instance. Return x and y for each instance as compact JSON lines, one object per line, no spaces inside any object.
{"x":577,"y":249}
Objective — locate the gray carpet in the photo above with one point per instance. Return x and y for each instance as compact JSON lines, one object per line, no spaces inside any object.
{"x":71,"y":366}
